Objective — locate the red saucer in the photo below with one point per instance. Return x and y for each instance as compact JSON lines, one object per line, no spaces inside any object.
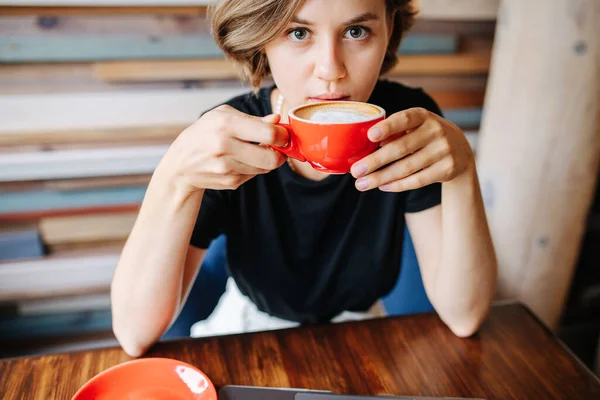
{"x":149,"y":379}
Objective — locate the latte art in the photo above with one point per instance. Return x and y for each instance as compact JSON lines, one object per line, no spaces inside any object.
{"x":340,"y":115}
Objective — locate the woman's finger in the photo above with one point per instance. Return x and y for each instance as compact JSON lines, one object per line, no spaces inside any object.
{"x":257,"y":156}
{"x":257,"y":130}
{"x":398,"y":122}
{"x":245,"y":169}
{"x":394,"y":150}
{"x":400,"y":169}
{"x":425,"y":177}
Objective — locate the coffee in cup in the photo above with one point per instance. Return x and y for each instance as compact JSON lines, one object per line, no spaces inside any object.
{"x":337,"y":114}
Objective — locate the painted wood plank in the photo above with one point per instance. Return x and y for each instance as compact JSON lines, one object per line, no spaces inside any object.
{"x":38,"y":346}
{"x":97,"y":183}
{"x":442,"y":83}
{"x":100,"y":111}
{"x":476,"y":44}
{"x":465,"y":118}
{"x":53,"y":147}
{"x":74,"y":250}
{"x":454,"y":64}
{"x":23,"y":202}
{"x":103,"y":47}
{"x":37,"y":214}
{"x":97,"y":3}
{"x":183,"y":11}
{"x":28,"y":327}
{"x":449,"y":99}
{"x":67,"y":304}
{"x":164,"y":70}
{"x":80,"y":163}
{"x":458,"y":9}
{"x":86,"y":228}
{"x":482,"y":29}
{"x":102,"y":25}
{"x":106,"y":47}
{"x":115,"y":246}
{"x":20,"y":243}
{"x":58,"y":276}
{"x":76,"y":184}
{"x":36,"y":78}
{"x":428,"y":44}
{"x":89,"y":137}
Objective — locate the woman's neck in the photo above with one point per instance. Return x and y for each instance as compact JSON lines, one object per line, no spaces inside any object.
{"x":301,"y":168}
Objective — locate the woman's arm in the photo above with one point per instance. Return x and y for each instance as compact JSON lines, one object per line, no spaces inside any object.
{"x":456,"y":255}
{"x":148,"y":287}
{"x":452,"y":242}
{"x":157,"y":265}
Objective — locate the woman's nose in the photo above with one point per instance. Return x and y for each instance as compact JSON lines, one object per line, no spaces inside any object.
{"x":330,"y":65}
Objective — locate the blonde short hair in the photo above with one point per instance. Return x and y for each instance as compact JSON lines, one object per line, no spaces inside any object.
{"x":242,"y":28}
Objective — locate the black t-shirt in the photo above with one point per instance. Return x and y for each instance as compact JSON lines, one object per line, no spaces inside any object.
{"x":304,"y":250}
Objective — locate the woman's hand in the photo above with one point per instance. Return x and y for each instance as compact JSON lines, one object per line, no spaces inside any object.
{"x":223,"y":149}
{"x":418,"y":148}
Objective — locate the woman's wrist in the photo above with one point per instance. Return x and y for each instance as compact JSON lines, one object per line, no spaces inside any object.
{"x":467,"y":177}
{"x":167,"y":181}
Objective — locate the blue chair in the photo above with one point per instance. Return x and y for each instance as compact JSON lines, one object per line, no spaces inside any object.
{"x":206,"y":291}
{"x":407,"y":297}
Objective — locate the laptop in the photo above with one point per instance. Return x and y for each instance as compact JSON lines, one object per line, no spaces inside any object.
{"x":236,"y":392}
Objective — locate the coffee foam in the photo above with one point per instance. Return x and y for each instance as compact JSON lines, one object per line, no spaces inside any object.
{"x":341,"y":115}
{"x":338,"y":112}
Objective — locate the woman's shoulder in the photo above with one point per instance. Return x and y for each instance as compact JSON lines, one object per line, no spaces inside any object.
{"x":395,"y":96}
{"x":257,"y":103}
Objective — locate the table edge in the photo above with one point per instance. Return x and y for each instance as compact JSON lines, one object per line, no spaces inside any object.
{"x":562,"y":344}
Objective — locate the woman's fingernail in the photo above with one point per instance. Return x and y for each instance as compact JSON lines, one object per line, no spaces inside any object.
{"x":375,"y":133}
{"x":269,"y":118}
{"x":362,"y":184}
{"x":359,"y":170}
{"x":385,"y":188}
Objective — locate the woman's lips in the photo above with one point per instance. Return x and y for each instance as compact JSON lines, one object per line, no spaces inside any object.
{"x":332,"y":97}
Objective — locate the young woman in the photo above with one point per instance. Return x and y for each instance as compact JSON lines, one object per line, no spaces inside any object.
{"x":306,"y":247}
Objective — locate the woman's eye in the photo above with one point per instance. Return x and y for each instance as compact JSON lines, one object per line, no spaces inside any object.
{"x":357,"y":32}
{"x":298,"y":35}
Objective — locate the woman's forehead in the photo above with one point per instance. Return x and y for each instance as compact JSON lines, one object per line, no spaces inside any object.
{"x":339,"y":11}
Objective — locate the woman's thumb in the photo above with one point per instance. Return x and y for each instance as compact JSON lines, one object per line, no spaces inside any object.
{"x":271,"y":118}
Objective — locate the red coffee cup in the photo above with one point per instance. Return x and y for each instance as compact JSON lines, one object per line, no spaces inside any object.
{"x":332,"y":135}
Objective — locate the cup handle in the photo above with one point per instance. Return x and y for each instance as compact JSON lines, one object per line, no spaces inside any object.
{"x":291,"y":148}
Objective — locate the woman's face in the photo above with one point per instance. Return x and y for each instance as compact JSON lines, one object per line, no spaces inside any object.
{"x":332,"y":50}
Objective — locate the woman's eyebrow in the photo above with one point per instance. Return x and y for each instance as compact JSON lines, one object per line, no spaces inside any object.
{"x":361,"y":18}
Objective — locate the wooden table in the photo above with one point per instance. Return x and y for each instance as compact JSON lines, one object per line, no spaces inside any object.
{"x":513,"y":357}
